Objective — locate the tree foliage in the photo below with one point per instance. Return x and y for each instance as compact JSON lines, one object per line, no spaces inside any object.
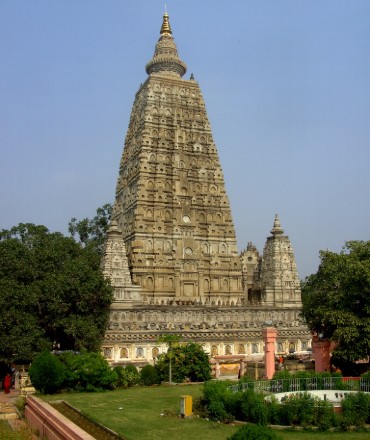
{"x":336,"y":301}
{"x":92,"y":232}
{"x":51,"y":289}
{"x":189,"y":361}
{"x":88,"y":371}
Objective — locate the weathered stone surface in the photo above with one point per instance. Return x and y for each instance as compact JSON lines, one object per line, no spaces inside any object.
{"x":171,"y":251}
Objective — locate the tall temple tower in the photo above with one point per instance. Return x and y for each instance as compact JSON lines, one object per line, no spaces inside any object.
{"x":171,"y":252}
{"x":171,"y":204}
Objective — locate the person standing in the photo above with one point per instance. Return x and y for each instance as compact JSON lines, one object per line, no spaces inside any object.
{"x":7,"y":383}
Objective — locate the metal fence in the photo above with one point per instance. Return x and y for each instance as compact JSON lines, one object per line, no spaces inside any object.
{"x":306,"y":384}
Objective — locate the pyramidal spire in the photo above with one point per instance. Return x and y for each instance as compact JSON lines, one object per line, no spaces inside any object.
{"x":166,"y":28}
{"x":166,"y":60}
{"x":277,"y":229}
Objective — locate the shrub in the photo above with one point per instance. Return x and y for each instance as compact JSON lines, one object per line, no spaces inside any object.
{"x":119,"y":370}
{"x":215,"y":390}
{"x":67,"y":359}
{"x":232,"y":403}
{"x":132,"y":375}
{"x":282,"y":374}
{"x":273,"y":410}
{"x":217,"y":411}
{"x":20,"y":404}
{"x":259,"y":412}
{"x":47,"y":373}
{"x":305,"y":409}
{"x":219,"y":401}
{"x":324,"y":416}
{"x":250,"y":406}
{"x":149,"y":375}
{"x":356,"y":409}
{"x":88,"y":372}
{"x":254,"y":432}
{"x":253,"y":408}
{"x":298,"y":409}
{"x":130,"y":368}
{"x":126,"y":378}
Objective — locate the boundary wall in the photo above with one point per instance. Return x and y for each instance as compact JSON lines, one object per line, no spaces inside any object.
{"x":50,"y":423}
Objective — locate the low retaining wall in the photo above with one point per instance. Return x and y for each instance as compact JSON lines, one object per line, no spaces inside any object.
{"x":50,"y":423}
{"x":333,"y":396}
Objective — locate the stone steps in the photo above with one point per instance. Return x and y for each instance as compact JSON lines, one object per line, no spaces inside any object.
{"x":8,"y":411}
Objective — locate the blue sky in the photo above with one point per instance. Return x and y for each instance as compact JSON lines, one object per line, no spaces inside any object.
{"x":287,"y":90}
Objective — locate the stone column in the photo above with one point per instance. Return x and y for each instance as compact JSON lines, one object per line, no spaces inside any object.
{"x":269,"y":335}
{"x":243,"y":367}
{"x":217,"y":370}
{"x":321,"y":350}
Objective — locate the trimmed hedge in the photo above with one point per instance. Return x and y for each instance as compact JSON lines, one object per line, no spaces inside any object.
{"x":47,"y":373}
{"x":149,"y":376}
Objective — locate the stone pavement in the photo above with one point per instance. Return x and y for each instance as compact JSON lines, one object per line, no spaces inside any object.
{"x":8,"y":405}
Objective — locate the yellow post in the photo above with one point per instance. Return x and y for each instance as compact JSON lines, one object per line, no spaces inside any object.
{"x":186,"y":406}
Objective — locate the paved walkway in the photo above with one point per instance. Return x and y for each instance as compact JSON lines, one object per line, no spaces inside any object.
{"x":7,"y":404}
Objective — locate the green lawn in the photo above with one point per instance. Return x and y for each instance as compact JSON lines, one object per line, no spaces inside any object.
{"x":144,"y":413}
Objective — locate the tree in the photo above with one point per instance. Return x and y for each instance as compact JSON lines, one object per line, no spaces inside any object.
{"x":51,"y":290}
{"x":170,"y":340}
{"x":188,"y":361}
{"x":92,"y":232}
{"x":336,"y":302}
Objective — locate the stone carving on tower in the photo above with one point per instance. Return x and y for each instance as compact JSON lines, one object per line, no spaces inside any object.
{"x":171,"y":252}
{"x":171,"y":203}
{"x":279,"y":276}
{"x":115,"y":267}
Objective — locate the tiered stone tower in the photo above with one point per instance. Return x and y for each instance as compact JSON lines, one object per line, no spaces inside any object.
{"x":279,"y":276}
{"x":171,"y":251}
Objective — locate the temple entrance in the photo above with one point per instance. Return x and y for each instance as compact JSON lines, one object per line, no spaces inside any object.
{"x":228,"y":366}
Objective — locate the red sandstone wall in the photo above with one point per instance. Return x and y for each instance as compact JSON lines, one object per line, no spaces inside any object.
{"x":50,"y":423}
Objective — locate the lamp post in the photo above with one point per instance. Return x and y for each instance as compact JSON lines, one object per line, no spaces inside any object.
{"x":169,"y":340}
{"x":170,"y":356}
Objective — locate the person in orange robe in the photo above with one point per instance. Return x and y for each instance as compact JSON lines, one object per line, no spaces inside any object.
{"x":7,"y":383}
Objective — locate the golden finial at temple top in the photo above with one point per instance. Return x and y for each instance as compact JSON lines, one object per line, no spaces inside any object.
{"x":166,"y":28}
